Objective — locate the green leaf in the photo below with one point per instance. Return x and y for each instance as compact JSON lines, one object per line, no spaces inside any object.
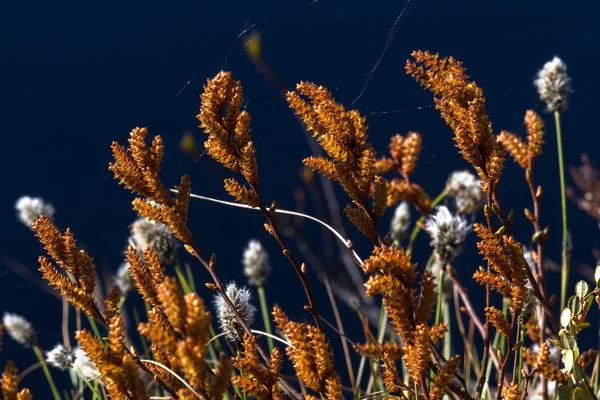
{"x":568,"y":360}
{"x":587,"y":304}
{"x":574,"y":305}
{"x":568,"y":341}
{"x":581,"y":289}
{"x":565,"y":317}
{"x":564,"y":392}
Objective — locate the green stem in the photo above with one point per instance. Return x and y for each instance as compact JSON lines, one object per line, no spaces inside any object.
{"x":40,"y":357}
{"x":522,"y":340}
{"x":563,"y":199}
{"x":94,"y":327}
{"x":417,"y":228}
{"x":448,"y":334}
{"x":182,"y":278}
{"x":84,"y":379}
{"x":265,"y":315}
{"x":190,"y":277}
{"x":597,"y":367}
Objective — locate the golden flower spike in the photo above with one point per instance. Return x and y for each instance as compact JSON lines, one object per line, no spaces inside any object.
{"x":524,"y":153}
{"x":462,"y":106}
{"x":79,"y":286}
{"x":443,"y":378}
{"x":228,"y":130}
{"x":117,"y":366}
{"x":137,"y":168}
{"x":404,"y":155}
{"x":311,"y":356}
{"x":343,"y":135}
{"x":258,"y":382}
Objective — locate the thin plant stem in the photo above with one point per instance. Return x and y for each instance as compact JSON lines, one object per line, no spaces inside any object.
{"x":563,"y":200}
{"x":183,"y":281}
{"x":40,"y":357}
{"x":521,"y":339}
{"x":136,"y":318}
{"x":448,"y":334}
{"x":597,"y":365}
{"x":89,"y":385}
{"x":281,"y":211}
{"x":94,"y":327}
{"x":262,"y":298}
{"x":190,"y":277}
{"x":338,"y":321}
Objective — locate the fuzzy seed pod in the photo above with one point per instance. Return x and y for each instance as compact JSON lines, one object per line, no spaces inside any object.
{"x":60,"y":357}
{"x":467,"y":192}
{"x":157,"y":236}
{"x":240,"y":297}
{"x":447,"y":233}
{"x":256,"y":263}
{"x":400,"y":221}
{"x":29,"y":209}
{"x":553,"y":85}
{"x":19,"y":329}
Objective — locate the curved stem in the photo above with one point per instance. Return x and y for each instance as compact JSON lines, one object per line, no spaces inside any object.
{"x":563,"y":200}
{"x":346,"y":242}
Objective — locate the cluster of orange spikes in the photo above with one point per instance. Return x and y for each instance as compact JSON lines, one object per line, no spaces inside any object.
{"x":462,"y":106}
{"x":228,"y":130}
{"x":137,"y":168}
{"x":524,"y":153}
{"x":311,"y":356}
{"x":404,"y":155}
{"x":343,"y":135}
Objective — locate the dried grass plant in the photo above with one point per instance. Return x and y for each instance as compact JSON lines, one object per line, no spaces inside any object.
{"x":515,"y":343}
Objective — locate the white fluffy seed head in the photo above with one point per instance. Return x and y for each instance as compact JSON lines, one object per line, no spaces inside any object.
{"x":466,"y":190}
{"x":400,"y":221}
{"x":554,"y":85}
{"x":123,"y":278}
{"x":447,"y":233}
{"x":19,"y":329}
{"x":29,"y":209}
{"x":60,"y":357}
{"x":84,"y":364}
{"x":157,"y":236}
{"x":256,"y":263}
{"x":240,"y":297}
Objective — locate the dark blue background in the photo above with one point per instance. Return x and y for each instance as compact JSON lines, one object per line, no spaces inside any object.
{"x":77,"y":75}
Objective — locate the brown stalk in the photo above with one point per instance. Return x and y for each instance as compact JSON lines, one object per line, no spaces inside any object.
{"x":471,"y":311}
{"x":312,"y":306}
{"x":194,"y":251}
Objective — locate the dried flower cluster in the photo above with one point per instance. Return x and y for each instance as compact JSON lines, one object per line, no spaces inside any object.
{"x":343,"y":135}
{"x":411,"y":357}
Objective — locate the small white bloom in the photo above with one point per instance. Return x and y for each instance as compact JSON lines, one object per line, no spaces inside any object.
{"x":84,"y":364}
{"x":466,"y":190}
{"x":157,"y":236}
{"x":447,"y":233}
{"x":240,"y":297}
{"x":400,"y":221}
{"x":60,"y":357}
{"x":19,"y":329}
{"x":123,"y":278}
{"x":29,"y":209}
{"x":256,"y":263}
{"x":553,"y":85}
